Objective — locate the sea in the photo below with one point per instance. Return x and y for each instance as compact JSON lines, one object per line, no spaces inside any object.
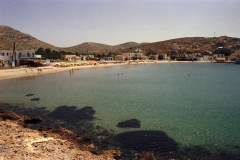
{"x":174,"y":110}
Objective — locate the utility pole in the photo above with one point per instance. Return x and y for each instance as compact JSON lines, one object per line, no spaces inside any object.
{"x":214,"y":34}
{"x":13,"y":62}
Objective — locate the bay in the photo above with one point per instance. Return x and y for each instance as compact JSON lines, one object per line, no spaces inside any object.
{"x":194,"y":104}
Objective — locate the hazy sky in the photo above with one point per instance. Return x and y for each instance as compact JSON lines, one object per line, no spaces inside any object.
{"x":66,"y":23}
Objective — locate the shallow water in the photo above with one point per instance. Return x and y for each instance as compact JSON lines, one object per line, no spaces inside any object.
{"x":187,"y":104}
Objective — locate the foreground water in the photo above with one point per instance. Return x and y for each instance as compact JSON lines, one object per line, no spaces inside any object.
{"x":173,"y":106}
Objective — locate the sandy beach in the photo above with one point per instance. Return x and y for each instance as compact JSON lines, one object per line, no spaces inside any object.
{"x":35,"y":71}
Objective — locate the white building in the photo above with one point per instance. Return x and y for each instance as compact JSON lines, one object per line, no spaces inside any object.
{"x":216,"y":56}
{"x":108,"y":58}
{"x":8,"y":58}
{"x":75,"y":58}
{"x":165,"y":57}
{"x":131,"y":55}
{"x":207,"y":58}
{"x":219,"y":57}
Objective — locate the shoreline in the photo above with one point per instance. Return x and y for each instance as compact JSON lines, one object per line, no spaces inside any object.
{"x":6,"y":74}
{"x":21,"y":142}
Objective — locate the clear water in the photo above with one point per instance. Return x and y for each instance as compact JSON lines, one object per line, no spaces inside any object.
{"x":195,"y":104}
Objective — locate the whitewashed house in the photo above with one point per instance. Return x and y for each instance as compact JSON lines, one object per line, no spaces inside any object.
{"x":219,"y":57}
{"x":108,"y":58}
{"x":207,"y":58}
{"x":166,"y":57}
{"x":129,"y":56}
{"x":10,"y":58}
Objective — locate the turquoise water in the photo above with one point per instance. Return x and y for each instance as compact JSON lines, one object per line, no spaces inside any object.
{"x":195,"y":104}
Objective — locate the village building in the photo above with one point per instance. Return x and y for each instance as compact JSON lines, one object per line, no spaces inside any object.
{"x":20,"y":57}
{"x":219,"y":57}
{"x":75,"y":58}
{"x":153,"y":57}
{"x":70,"y":58}
{"x":166,"y":57}
{"x":130,"y":56}
{"x":207,"y":58}
{"x":108,"y":58}
{"x":185,"y":57}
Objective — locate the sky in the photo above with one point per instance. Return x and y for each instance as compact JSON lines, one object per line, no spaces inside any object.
{"x":65,"y":23}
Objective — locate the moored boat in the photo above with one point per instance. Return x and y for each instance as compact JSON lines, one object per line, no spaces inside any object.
{"x":237,"y":61}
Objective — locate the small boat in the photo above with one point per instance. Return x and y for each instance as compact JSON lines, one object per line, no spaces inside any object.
{"x":237,"y":61}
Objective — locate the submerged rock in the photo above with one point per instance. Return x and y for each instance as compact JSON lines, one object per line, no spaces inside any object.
{"x":132,"y":123}
{"x":35,"y":99}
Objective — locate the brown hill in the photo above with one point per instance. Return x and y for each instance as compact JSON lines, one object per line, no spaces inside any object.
{"x":193,"y":44}
{"x":126,"y":45}
{"x":9,"y":35}
{"x":91,"y":47}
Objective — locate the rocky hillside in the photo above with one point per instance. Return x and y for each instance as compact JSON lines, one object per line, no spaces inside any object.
{"x":91,"y":47}
{"x":192,"y":44}
{"x":9,"y":35}
{"x":24,"y":41}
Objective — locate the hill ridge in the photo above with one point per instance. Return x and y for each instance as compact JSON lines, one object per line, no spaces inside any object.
{"x":25,"y":41}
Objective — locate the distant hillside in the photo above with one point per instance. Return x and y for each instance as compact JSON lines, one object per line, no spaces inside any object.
{"x":90,"y":47}
{"x":126,"y":45}
{"x":193,"y":44}
{"x":9,"y":35}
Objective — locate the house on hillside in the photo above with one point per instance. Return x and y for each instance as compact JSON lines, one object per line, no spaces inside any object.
{"x":138,"y":50}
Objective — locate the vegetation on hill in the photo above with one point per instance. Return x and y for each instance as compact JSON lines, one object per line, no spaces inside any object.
{"x":51,"y":54}
{"x":206,"y":46}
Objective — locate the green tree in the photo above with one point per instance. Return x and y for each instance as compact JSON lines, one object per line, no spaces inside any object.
{"x":173,"y":55}
{"x":48,"y":50}
{"x":225,"y":51}
{"x":40,"y":51}
{"x":160,"y":57}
